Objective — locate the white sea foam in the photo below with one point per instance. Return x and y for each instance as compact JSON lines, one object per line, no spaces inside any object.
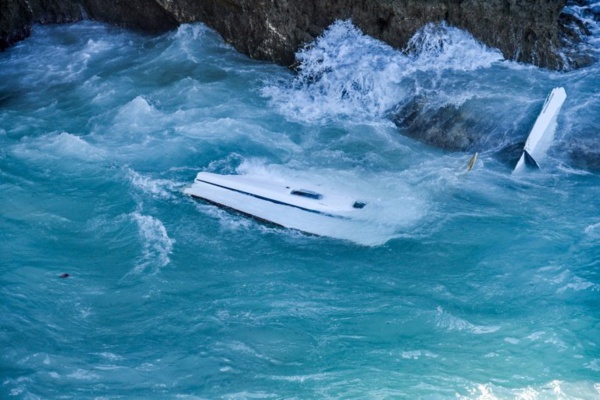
{"x":137,"y":117}
{"x":110,"y":356}
{"x":586,"y":13}
{"x":59,"y":146}
{"x":186,"y":38}
{"x":416,"y":354}
{"x":240,"y":347}
{"x":566,"y":280}
{"x":442,"y":47}
{"x":232,"y":130}
{"x":157,"y":188}
{"x":250,"y":395}
{"x":84,"y":375}
{"x":300,"y":378}
{"x":227,"y":220}
{"x":449,"y":322}
{"x":593,"y":230}
{"x":594,"y":365}
{"x":191,"y":32}
{"x":345,"y":73}
{"x":555,"y":389}
{"x":578,"y":284}
{"x":156,"y":243}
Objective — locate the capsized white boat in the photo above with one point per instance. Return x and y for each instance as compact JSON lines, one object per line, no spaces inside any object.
{"x":307,"y":208}
{"x":542,"y":134}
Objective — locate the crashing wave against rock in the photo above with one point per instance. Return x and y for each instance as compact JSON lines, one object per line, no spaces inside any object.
{"x":527,"y":31}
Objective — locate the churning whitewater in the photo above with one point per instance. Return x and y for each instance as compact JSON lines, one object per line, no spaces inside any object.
{"x":471,"y":285}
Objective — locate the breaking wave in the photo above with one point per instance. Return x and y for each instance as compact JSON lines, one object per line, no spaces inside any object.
{"x":348,"y":74}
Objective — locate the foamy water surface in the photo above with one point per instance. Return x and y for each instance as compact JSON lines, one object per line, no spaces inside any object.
{"x":478,"y":285}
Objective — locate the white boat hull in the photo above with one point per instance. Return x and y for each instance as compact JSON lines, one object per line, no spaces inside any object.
{"x":330,"y":214}
{"x":542,"y":134}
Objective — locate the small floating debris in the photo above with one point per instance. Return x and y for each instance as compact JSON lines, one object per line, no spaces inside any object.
{"x":472,"y":162}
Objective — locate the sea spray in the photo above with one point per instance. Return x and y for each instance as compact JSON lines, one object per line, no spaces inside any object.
{"x":348,"y":74}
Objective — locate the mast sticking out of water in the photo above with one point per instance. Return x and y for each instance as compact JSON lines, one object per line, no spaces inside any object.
{"x":542,"y":134}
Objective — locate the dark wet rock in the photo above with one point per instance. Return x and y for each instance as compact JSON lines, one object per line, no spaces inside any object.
{"x":577,"y":22}
{"x":17,"y":16}
{"x":527,"y":31}
{"x":147,"y":15}
{"x":584,"y":153}
{"x":446,"y":127}
{"x":471,"y":126}
{"x":467,"y":127}
{"x":15,"y":21}
{"x":56,"y":11}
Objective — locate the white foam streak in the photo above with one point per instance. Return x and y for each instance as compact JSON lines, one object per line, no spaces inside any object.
{"x":567,"y":281}
{"x":231,"y":130}
{"x":555,"y":389}
{"x":156,"y":243}
{"x":593,"y":231}
{"x":158,"y":188}
{"x":59,"y":146}
{"x":449,"y":322}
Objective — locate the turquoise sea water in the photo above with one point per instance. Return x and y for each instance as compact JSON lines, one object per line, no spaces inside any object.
{"x":488,"y":285}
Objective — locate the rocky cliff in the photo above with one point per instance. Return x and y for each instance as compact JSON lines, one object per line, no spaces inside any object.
{"x":15,"y":21}
{"x":528,"y":31}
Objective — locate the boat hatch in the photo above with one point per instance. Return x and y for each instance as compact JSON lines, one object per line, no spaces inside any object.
{"x":307,"y":193}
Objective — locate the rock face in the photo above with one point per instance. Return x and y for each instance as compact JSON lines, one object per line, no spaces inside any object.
{"x":447,"y":127}
{"x":146,"y":15}
{"x":527,"y":31}
{"x":15,"y":21}
{"x":468,"y":127}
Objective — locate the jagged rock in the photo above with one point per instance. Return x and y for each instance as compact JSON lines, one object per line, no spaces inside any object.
{"x":274,"y":30}
{"x":575,"y":29}
{"x":147,"y":15}
{"x":526,"y":31}
{"x":451,"y":127}
{"x":15,"y":21}
{"x":446,"y":127}
{"x":56,"y":11}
